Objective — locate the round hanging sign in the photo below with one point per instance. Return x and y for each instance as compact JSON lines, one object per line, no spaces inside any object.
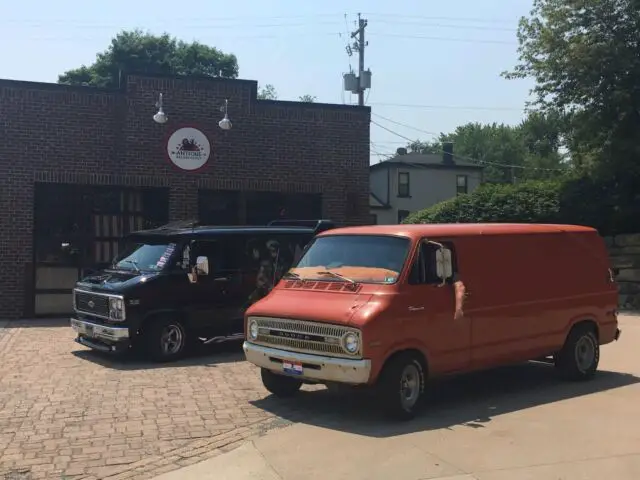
{"x":188,"y":149}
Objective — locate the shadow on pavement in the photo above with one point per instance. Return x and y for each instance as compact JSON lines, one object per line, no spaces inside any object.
{"x":201,"y":355}
{"x":470,"y":400}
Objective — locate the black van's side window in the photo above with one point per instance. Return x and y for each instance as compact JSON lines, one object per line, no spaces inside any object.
{"x":223,"y":253}
{"x":424,"y":270}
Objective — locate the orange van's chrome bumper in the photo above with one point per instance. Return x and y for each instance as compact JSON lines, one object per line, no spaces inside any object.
{"x":313,"y":367}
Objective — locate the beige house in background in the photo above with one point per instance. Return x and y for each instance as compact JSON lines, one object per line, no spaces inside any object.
{"x":409,"y":182}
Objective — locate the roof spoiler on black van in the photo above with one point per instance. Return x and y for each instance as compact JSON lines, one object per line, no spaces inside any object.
{"x":317,"y":225}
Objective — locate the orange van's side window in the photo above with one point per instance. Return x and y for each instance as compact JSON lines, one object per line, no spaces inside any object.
{"x":423,"y":270}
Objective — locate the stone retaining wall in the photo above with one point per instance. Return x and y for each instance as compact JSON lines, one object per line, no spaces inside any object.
{"x":624,"y":251}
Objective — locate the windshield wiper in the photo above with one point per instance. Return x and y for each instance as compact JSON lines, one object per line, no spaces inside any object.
{"x":134,"y":263}
{"x":291,"y":274}
{"x":337,"y":275}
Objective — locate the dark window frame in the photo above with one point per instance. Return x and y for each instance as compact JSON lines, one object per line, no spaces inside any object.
{"x":404,"y":188}
{"x":462,"y":189}
{"x":404,"y":214}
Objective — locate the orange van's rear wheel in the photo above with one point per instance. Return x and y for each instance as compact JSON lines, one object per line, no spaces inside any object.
{"x":580,"y":355}
{"x":401,"y":386}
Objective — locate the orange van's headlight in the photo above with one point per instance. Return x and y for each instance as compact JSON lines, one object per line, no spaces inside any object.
{"x":253,"y":329}
{"x":351,"y":342}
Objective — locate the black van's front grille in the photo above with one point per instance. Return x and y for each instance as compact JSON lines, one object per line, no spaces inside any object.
{"x":92,"y":304}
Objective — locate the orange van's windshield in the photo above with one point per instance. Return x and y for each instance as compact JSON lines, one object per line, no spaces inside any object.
{"x":357,"y":258}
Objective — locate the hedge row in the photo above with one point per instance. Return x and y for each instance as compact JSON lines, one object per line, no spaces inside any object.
{"x":611,"y":207}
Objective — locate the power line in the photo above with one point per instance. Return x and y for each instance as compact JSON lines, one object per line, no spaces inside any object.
{"x":405,"y":125}
{"x":457,"y":19}
{"x":200,"y":39}
{"x":193,"y":26}
{"x":446,"y":107}
{"x":445,"y":39}
{"x":474,"y":160}
{"x":210,"y":25}
{"x":492,"y":28}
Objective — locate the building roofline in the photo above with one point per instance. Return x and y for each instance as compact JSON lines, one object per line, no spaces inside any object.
{"x":252,"y":84}
{"x":455,"y":166}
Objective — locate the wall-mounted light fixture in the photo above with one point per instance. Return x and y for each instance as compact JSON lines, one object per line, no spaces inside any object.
{"x":160,"y":117}
{"x":225,"y":123}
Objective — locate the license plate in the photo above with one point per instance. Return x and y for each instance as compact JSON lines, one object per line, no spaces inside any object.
{"x":294,"y":368}
{"x":88,"y":330}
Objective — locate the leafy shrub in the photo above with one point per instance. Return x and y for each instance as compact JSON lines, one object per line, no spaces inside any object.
{"x":530,"y":202}
{"x":611,"y":206}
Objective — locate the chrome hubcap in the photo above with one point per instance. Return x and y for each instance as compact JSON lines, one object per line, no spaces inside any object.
{"x":171,"y":339}
{"x":585,"y":353}
{"x":409,"y":386}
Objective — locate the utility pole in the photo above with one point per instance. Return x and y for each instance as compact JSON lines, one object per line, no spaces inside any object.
{"x":360,"y":83}
{"x":364,"y":80}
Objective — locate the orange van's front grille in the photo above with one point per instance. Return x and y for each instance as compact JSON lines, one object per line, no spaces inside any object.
{"x":302,"y":336}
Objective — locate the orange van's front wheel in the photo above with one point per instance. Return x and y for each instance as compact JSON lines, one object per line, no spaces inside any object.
{"x":580,"y":355}
{"x":280,"y":385}
{"x":401,"y":385}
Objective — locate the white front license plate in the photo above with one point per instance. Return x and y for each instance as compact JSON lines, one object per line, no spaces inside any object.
{"x":293,"y":368}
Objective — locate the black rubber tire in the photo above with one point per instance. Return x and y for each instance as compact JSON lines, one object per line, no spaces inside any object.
{"x":152,"y":339}
{"x":280,"y":385}
{"x":566,"y":361}
{"x":390,"y":391}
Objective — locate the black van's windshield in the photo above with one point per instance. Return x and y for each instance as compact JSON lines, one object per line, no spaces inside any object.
{"x":143,"y":256}
{"x":358,"y":258}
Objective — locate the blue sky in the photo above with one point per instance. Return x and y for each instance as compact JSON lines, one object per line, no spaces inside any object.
{"x":443,"y":59}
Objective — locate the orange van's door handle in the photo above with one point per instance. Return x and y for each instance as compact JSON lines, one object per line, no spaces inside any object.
{"x":415,"y":309}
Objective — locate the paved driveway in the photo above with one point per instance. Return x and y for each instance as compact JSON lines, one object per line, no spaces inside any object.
{"x":66,"y":412}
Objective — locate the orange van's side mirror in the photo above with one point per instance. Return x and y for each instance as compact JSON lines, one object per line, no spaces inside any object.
{"x":444,"y":264}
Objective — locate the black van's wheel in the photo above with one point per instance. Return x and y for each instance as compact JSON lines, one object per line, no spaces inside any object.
{"x":280,"y":385}
{"x":401,"y":386}
{"x":165,"y":339}
{"x":580,"y":355}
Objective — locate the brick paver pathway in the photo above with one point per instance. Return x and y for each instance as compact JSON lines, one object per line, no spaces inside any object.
{"x":67,"y":412}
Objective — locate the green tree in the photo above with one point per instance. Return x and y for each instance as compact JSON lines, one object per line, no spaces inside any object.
{"x":307,"y":98}
{"x":530,"y":148}
{"x":585,"y":60}
{"x":139,"y":52}
{"x":268,"y":92}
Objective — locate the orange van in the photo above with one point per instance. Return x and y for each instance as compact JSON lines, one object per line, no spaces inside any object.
{"x":377,"y":306}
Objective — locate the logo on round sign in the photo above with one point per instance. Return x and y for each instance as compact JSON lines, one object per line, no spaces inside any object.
{"x":188,"y":148}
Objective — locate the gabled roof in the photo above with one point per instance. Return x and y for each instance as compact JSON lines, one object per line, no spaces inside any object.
{"x":425,"y":160}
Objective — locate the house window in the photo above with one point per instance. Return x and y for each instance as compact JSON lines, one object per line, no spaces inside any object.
{"x":403,"y":184}
{"x":402,"y":214}
{"x":462,"y":184}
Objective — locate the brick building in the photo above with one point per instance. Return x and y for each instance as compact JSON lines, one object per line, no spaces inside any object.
{"x":80,"y":167}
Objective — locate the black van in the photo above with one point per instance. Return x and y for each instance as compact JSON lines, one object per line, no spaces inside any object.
{"x":184,"y":283}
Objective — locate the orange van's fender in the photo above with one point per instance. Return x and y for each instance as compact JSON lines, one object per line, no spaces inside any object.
{"x":407,"y":344}
{"x":606,"y":323}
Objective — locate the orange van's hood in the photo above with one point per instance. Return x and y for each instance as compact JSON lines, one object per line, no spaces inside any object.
{"x":329,"y":307}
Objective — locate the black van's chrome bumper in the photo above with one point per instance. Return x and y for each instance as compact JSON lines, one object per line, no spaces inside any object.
{"x":98,"y":332}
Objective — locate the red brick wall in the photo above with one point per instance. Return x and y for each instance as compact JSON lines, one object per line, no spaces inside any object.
{"x":57,"y":133}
